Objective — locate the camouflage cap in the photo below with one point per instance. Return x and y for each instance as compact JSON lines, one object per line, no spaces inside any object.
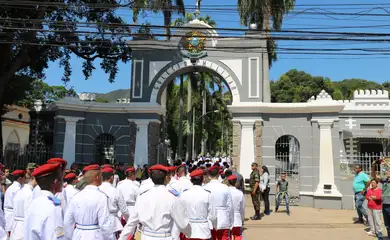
{"x":31,"y":165}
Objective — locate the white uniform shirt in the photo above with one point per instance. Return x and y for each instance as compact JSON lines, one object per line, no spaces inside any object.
{"x":116,"y":203}
{"x":146,"y":185}
{"x":9,"y":204}
{"x":69,"y":191}
{"x":238,"y":206}
{"x":197,"y":202}
{"x":116,"y":180}
{"x":3,"y":234}
{"x":35,"y":192}
{"x":182,"y":184}
{"x":222,"y":204}
{"x":44,"y":221}
{"x":156,"y":210}
{"x":130,"y":192}
{"x":21,"y":196}
{"x":89,"y":211}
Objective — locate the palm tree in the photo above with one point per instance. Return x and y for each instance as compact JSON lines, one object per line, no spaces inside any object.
{"x":261,"y":12}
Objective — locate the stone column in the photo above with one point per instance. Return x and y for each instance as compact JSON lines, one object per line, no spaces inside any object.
{"x":154,"y":141}
{"x":236,"y":144}
{"x":258,"y":134}
{"x":247,"y":150}
{"x":69,"y":149}
{"x":133,"y":134}
{"x":326,"y":186}
{"x":141,"y":153}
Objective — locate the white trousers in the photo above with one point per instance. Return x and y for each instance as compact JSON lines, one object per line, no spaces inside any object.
{"x":375,"y":220}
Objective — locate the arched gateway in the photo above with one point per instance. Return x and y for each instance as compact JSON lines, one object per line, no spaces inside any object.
{"x":241,"y":62}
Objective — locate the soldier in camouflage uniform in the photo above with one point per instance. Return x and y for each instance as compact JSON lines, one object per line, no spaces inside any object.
{"x":254,"y":181}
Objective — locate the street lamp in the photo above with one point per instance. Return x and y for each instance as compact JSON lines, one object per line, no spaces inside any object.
{"x":193,"y":129}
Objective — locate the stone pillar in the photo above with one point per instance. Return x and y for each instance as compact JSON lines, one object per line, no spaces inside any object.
{"x":236,"y":144}
{"x":69,"y":150}
{"x":154,"y":141}
{"x":326,"y":186}
{"x":142,"y":148}
{"x":258,"y":134}
{"x":132,"y":134}
{"x":247,"y":149}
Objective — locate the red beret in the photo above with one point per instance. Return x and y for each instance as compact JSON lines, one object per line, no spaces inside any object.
{"x":213,"y":168}
{"x":106,"y":165}
{"x":107,"y":170}
{"x":70,"y":176}
{"x":46,"y":169}
{"x":130,"y":169}
{"x":158,"y":167}
{"x":18,"y":173}
{"x":232,"y":177}
{"x":57,"y":160}
{"x":197,"y":173}
{"x":91,"y":167}
{"x":221,"y":172}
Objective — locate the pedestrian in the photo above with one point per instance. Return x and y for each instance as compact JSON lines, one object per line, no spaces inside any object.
{"x":361,"y":182}
{"x":264,"y":188}
{"x":87,"y":216}
{"x":3,"y":234}
{"x":238,"y":206}
{"x":44,"y":221}
{"x":385,"y":192}
{"x":69,"y":187}
{"x":116,"y":201}
{"x":254,"y":182}
{"x":222,"y":205}
{"x":197,"y":202}
{"x":374,"y":197}
{"x":157,"y":210}
{"x":282,"y":193}
{"x":18,"y":181}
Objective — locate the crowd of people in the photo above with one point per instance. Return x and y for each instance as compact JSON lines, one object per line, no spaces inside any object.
{"x":193,"y":200}
{"x":372,"y":199}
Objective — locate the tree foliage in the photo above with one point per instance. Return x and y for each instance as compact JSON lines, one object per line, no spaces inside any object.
{"x":299,"y":86}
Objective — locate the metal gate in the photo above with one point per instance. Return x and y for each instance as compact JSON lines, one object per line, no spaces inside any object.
{"x":287,"y":161}
{"x":105,"y":149}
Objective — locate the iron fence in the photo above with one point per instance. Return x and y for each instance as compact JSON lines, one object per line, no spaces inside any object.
{"x":17,"y":158}
{"x":365,"y":160}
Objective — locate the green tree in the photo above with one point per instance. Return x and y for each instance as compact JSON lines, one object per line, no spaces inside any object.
{"x":262,"y":13}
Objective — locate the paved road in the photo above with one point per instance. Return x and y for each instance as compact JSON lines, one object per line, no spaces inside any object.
{"x":305,"y":224}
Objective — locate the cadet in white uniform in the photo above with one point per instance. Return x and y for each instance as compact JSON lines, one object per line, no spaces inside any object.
{"x":238,"y":206}
{"x":20,"y":207}
{"x":222,"y":206}
{"x":116,"y":201}
{"x":183,"y":183}
{"x":146,"y":185}
{"x":88,"y":210}
{"x":197,"y":202}
{"x":19,"y":179}
{"x":69,"y":189}
{"x":129,"y":189}
{"x":44,"y":221}
{"x":3,"y":234}
{"x":157,"y":210}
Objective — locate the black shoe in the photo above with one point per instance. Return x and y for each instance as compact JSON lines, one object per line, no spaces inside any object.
{"x":360,"y":221}
{"x":255,"y":217}
{"x":276,"y":209}
{"x":288,"y":213}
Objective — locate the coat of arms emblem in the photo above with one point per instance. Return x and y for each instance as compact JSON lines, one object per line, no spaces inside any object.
{"x":194,"y":44}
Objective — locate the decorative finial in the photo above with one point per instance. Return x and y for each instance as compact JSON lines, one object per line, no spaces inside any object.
{"x":197,"y":8}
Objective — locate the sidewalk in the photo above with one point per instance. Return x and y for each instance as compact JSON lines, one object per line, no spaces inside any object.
{"x":305,"y":224}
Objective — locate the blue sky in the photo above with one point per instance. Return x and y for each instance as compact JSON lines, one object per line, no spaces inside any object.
{"x":335,"y":67}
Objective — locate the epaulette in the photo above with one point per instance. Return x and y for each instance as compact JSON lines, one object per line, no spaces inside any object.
{"x":174,"y":192}
{"x":56,"y":201}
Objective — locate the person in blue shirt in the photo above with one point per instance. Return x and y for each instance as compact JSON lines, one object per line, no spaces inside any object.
{"x":360,"y":185}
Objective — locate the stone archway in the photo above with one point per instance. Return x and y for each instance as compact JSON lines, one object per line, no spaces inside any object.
{"x":167,"y":75}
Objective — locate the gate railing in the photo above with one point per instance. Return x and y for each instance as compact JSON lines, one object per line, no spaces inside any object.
{"x":17,"y":158}
{"x":365,"y":160}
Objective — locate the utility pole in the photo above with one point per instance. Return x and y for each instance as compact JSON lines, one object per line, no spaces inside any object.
{"x":181,"y":106}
